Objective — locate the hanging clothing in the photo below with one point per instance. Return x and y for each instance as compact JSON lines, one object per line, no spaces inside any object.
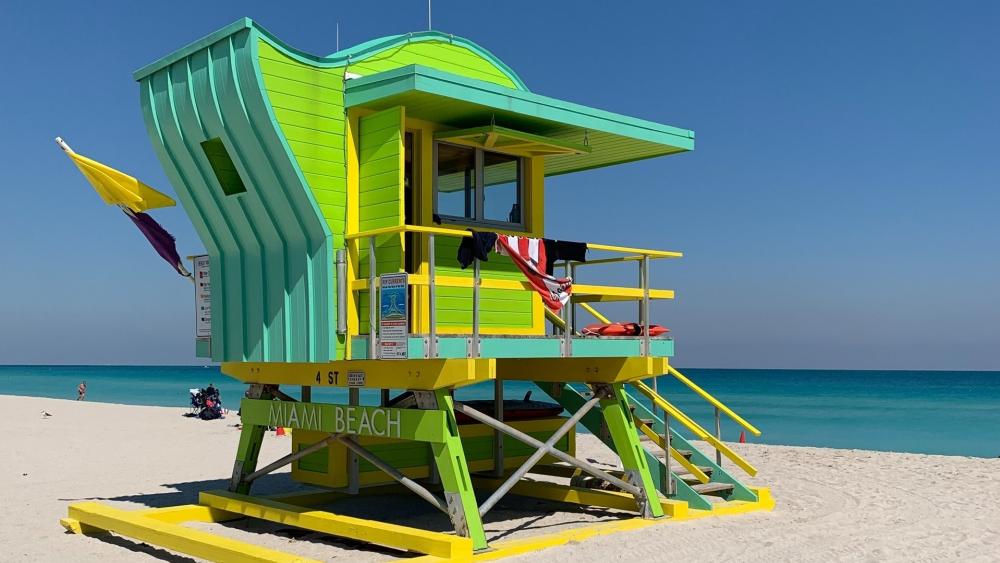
{"x":477,"y":246}
{"x":528,"y":254}
{"x":530,"y":249}
{"x":563,"y":250}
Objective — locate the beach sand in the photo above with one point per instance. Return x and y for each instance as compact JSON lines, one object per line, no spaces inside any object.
{"x":832,"y":505}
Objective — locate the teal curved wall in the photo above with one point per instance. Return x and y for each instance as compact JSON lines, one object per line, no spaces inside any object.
{"x":279,"y":114}
{"x":271,"y":251}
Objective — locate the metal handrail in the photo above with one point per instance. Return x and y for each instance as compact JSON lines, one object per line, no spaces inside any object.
{"x":643,"y":293}
{"x":713,"y":401}
{"x":694,"y":427}
{"x":652,"y":254}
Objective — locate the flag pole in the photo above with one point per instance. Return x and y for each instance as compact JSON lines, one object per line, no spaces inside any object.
{"x":62,"y":144}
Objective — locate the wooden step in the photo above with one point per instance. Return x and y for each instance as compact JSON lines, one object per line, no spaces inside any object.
{"x":715,"y":489}
{"x":686,"y":454}
{"x":691,"y":479}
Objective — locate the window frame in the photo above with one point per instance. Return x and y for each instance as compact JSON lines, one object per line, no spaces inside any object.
{"x":480,"y":194}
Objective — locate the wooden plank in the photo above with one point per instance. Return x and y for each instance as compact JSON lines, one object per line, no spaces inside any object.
{"x":175,"y":537}
{"x":712,"y":488}
{"x":371,"y":531}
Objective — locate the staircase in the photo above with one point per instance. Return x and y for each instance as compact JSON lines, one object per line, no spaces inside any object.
{"x":687,"y":473}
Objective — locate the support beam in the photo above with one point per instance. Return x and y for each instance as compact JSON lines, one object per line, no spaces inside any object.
{"x":371,"y":531}
{"x":626,"y":444}
{"x":174,"y":537}
{"x":424,"y":374}
{"x":391,"y":471}
{"x":453,"y":471}
{"x":517,"y":434}
{"x":537,"y":456}
{"x":593,"y":370}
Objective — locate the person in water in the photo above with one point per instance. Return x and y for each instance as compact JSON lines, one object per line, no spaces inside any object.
{"x":81,"y":391}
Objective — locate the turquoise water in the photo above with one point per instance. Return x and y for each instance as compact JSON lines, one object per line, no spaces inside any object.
{"x":956,"y":413}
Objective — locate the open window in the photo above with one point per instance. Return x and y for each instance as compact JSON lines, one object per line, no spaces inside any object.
{"x":476,"y":186}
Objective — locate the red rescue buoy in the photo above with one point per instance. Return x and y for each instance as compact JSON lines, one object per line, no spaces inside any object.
{"x":743,"y":437}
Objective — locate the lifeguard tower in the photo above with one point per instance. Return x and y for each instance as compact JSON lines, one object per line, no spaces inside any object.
{"x":332,"y":194}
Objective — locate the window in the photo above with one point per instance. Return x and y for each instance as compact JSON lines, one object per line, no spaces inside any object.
{"x":476,"y":186}
{"x":222,"y":165}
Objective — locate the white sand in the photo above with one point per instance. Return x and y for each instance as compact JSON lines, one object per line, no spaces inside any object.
{"x":832,"y":505}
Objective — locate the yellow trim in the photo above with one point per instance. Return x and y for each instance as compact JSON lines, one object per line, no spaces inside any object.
{"x":629,"y":250}
{"x":174,"y":536}
{"x":423,"y":374}
{"x":597,"y":315}
{"x":713,"y":401}
{"x":371,"y":531}
{"x":149,"y":528}
{"x":353,"y":252}
{"x":591,"y":370}
{"x":700,"y":432}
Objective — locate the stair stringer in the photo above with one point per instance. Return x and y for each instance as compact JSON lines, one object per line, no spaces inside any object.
{"x":572,"y":400}
{"x":720,"y":475}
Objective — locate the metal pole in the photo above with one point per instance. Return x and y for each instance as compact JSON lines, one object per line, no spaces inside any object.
{"x":653,"y":410}
{"x":431,"y":299}
{"x":562,"y":456}
{"x":537,"y":456}
{"x":718,"y":435}
{"x":392,"y":472}
{"x":497,"y":434}
{"x":474,"y":352}
{"x":353,"y":467}
{"x":571,"y":274}
{"x":566,"y":315}
{"x":290,"y":458}
{"x":341,"y":292}
{"x":645,"y":305}
{"x":666,"y":458}
{"x":307,"y":393}
{"x":385,"y":398}
{"x":372,"y":344}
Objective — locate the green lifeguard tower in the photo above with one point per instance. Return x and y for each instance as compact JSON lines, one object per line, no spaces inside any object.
{"x":332,"y":194}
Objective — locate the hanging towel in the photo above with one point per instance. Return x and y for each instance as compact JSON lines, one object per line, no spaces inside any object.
{"x":529,"y":256}
{"x":477,"y":246}
{"x":563,"y":250}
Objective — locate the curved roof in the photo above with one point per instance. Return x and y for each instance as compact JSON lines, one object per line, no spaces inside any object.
{"x":356,"y":53}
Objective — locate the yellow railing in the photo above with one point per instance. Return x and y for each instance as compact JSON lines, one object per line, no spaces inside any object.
{"x":582,"y":293}
{"x":713,"y":401}
{"x":694,"y":427}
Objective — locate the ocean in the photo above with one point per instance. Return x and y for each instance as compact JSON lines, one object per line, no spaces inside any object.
{"x":952,"y":413}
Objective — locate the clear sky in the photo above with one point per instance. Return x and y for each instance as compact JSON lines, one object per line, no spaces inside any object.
{"x":841,"y":209}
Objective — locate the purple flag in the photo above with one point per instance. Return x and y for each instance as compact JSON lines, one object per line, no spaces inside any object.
{"x":161,"y":240}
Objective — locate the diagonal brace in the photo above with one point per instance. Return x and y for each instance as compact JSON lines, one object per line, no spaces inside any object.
{"x":371,"y":458}
{"x":542,"y":450}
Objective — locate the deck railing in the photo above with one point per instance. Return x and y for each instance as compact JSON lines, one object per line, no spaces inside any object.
{"x":583,"y":294}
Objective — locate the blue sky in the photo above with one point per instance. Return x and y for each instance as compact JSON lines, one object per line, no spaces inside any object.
{"x":841,"y":210}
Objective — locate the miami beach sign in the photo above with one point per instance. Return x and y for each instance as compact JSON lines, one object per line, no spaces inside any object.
{"x":382,"y":422}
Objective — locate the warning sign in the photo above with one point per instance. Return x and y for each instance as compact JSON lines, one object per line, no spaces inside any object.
{"x":394,"y":318}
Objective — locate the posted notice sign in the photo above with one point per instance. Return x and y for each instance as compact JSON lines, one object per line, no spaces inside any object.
{"x":202,"y":298}
{"x":393,"y":322}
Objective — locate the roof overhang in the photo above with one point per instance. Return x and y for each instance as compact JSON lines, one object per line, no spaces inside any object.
{"x":464,"y":103}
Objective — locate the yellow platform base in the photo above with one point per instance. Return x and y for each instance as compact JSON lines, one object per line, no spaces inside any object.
{"x":163,"y":527}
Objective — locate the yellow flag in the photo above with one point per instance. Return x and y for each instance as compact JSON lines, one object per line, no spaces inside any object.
{"x":118,"y":188}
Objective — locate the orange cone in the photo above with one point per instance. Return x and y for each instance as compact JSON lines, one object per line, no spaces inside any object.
{"x":279,"y":431}
{"x":743,"y":437}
